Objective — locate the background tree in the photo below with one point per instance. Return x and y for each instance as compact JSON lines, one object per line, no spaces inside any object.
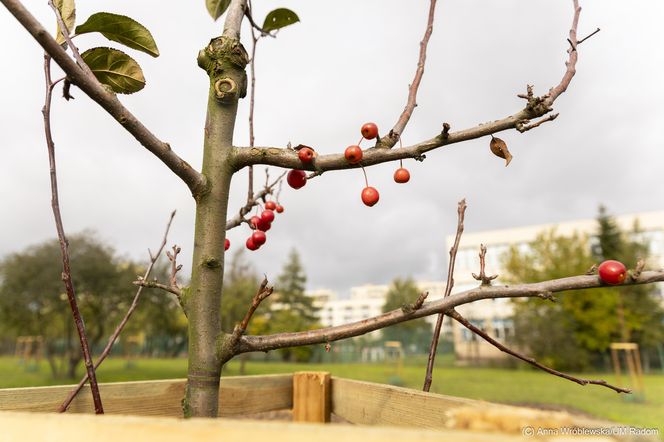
{"x":240,"y":286}
{"x":32,"y":300}
{"x":292,"y":309}
{"x":638,"y":309}
{"x":574,"y":332}
{"x":414,"y":336}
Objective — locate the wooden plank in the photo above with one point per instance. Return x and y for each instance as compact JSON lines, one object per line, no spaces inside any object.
{"x":238,"y":395}
{"x":40,"y":427}
{"x":377,"y":404}
{"x":311,"y":396}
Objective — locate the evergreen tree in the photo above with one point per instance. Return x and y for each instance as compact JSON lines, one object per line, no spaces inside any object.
{"x":414,"y":335}
{"x":293,"y":309}
{"x":638,"y":308}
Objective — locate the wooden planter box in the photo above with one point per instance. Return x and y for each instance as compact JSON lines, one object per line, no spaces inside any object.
{"x":151,"y":411}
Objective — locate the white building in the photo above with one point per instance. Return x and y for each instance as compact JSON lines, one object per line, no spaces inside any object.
{"x":365,"y":302}
{"x":494,"y":315}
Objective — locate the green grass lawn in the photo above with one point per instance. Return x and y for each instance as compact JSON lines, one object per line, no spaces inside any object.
{"x":499,"y":385}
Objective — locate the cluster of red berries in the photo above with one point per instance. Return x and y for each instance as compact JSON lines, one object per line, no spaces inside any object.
{"x":297,"y":178}
{"x":353,"y":155}
{"x":260,"y":225}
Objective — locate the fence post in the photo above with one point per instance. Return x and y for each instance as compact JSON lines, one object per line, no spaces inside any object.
{"x":311,"y":396}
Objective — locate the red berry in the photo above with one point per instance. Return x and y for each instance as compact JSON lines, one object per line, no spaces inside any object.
{"x":254,"y":221}
{"x":369,"y":131}
{"x":279,"y":208}
{"x":306,"y":154}
{"x":267,"y":216}
{"x":612,"y":272}
{"x":271,"y":205}
{"x":296,"y":178}
{"x":227,"y":244}
{"x":264,"y":225}
{"x":258,"y":237}
{"x":370,"y":196}
{"x":251,"y":245}
{"x":401,"y":175}
{"x":353,"y":154}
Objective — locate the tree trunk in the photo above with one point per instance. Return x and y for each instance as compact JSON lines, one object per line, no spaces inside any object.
{"x":224,"y":59}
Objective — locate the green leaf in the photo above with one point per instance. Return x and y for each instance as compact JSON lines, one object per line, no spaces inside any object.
{"x":67,"y":10}
{"x":115,"y":69}
{"x":217,"y":7}
{"x":122,"y":29}
{"x":279,"y":18}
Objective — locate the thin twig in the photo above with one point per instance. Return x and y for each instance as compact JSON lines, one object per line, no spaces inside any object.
{"x":172,"y":286}
{"x":461,"y":211}
{"x":239,"y":218}
{"x":555,"y":91}
{"x":74,"y":50}
{"x":175,"y":268}
{"x":587,"y":37}
{"x":158,"y":285}
{"x":391,"y":139}
{"x":463,"y":321}
{"x":254,"y":25}
{"x":263,"y":292}
{"x":111,"y":340}
{"x":525,"y":127}
{"x":64,"y":244}
{"x":252,"y":98}
{"x":484,"y":280}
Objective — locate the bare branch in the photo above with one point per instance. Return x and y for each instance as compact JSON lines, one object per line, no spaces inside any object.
{"x":395,"y":134}
{"x":239,"y":218}
{"x":535,"y":108}
{"x":111,"y":340}
{"x":158,"y":285}
{"x":543,"y":289}
{"x":588,"y":36}
{"x":461,"y":211}
{"x":463,"y":321}
{"x":66,"y":35}
{"x":64,"y":243}
{"x":555,"y":91}
{"x":252,"y":96}
{"x":172,"y":286}
{"x":484,"y":280}
{"x":263,"y":292}
{"x":525,"y":127}
{"x":108,"y":101}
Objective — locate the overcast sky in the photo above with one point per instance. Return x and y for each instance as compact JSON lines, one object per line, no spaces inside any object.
{"x":346,"y":63}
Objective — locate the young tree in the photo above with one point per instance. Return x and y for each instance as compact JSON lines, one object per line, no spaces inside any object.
{"x":102,"y":72}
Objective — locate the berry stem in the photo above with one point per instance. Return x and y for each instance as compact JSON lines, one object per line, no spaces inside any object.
{"x":366,"y":180}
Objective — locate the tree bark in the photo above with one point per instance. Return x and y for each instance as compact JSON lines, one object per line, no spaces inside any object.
{"x":224,"y":60}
